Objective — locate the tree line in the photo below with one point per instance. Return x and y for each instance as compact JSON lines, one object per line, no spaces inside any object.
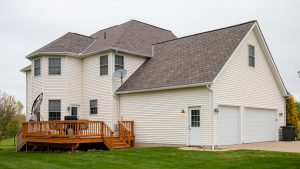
{"x":11,"y":116}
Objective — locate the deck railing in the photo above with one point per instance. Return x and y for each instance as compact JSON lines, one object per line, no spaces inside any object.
{"x":108,"y":136}
{"x":125,"y":130}
{"x":68,"y":128}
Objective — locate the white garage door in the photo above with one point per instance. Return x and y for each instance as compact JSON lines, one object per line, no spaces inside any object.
{"x":229,"y":125}
{"x":259,"y":125}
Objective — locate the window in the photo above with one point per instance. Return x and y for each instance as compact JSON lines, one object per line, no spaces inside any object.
{"x":37,"y":67}
{"x":103,"y":65}
{"x":119,"y":62}
{"x":93,"y":107}
{"x":251,"y":55}
{"x":54,"y":109}
{"x":54,"y":66}
{"x":195,"y":118}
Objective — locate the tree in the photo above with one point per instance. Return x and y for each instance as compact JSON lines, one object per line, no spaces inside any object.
{"x":292,"y":113}
{"x":10,"y":115}
{"x":298,"y":105}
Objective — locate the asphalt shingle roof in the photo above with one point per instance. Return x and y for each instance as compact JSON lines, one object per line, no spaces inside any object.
{"x":70,"y":42}
{"x":133,"y":36}
{"x":188,"y":60}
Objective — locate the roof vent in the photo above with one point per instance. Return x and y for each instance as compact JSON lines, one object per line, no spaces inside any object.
{"x":104,"y":35}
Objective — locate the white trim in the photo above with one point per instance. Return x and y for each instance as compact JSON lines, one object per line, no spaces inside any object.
{"x":166,"y":88}
{"x":188,"y":123}
{"x":31,"y":56}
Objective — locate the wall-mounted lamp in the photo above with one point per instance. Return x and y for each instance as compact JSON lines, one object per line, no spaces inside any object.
{"x":216,"y":110}
{"x":280,"y":114}
{"x":182,"y":113}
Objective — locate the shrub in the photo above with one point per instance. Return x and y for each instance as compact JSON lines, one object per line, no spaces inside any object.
{"x":292,"y":113}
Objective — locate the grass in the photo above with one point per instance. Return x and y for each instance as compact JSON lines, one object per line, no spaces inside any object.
{"x":152,"y":158}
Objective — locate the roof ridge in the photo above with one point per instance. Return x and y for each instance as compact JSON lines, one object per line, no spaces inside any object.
{"x":104,"y":29}
{"x":81,"y":35}
{"x":150,"y":25}
{"x":206,"y":32}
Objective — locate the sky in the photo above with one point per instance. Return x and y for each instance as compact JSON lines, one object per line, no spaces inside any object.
{"x":25,"y":26}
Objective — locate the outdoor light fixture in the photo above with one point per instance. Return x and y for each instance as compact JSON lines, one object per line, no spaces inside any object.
{"x":280,"y":114}
{"x":182,"y":112}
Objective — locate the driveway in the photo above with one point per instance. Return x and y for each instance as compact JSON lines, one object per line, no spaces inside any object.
{"x":293,"y":146}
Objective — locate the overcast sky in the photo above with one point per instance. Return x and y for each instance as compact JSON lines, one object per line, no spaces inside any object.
{"x":28,"y":25}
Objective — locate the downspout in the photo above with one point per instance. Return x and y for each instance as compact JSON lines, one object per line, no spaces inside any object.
{"x":211,"y":116}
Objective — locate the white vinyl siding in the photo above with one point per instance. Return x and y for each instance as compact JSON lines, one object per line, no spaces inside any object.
{"x":157,"y":114}
{"x":240,"y":85}
{"x":131,"y":64}
{"x":28,"y":92}
{"x":74,"y":83}
{"x":96,"y":87}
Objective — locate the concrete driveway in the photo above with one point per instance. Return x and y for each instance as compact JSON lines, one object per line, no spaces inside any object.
{"x":293,"y":146}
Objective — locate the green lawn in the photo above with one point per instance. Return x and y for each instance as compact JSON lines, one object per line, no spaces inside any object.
{"x":140,"y":158}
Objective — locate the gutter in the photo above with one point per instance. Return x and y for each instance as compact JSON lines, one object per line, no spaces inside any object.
{"x":81,"y":55}
{"x":165,"y":88}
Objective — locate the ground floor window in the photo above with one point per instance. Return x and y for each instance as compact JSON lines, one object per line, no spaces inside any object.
{"x":93,"y":107}
{"x":54,"y":109}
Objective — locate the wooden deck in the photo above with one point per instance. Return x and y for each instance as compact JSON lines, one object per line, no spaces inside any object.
{"x":75,"y":132}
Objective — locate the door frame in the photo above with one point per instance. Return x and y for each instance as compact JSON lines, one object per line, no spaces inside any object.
{"x":78,"y":109}
{"x":188,"y":124}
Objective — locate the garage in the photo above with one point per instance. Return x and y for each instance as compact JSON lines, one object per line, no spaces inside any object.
{"x":229,"y":125}
{"x":259,"y":125}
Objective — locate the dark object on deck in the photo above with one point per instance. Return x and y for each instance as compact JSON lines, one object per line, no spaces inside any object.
{"x":288,"y":133}
{"x":71,"y":118}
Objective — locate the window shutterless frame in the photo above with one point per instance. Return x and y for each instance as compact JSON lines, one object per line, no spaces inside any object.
{"x":93,"y":107}
{"x":251,"y":55}
{"x":119,"y":62}
{"x":37,"y":67}
{"x":54,"y":109}
{"x":54,"y":66}
{"x":103,"y":65}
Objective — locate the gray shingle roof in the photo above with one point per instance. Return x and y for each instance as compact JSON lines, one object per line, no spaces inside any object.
{"x":188,"y":60}
{"x":133,"y":36}
{"x":70,"y":42}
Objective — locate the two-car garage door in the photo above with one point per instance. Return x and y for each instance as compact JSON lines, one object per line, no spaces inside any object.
{"x":256,"y":125}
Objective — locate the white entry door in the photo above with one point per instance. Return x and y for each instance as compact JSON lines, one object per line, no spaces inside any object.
{"x":259,"y":125}
{"x":229,"y":126}
{"x":195,"y":132}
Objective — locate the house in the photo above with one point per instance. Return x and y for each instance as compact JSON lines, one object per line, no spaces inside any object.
{"x":219,"y":87}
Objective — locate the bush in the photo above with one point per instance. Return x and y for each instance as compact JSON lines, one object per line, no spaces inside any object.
{"x":292,"y":113}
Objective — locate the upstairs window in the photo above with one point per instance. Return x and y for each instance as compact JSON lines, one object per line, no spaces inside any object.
{"x":54,"y":109}
{"x":54,"y":66}
{"x":251,"y":53}
{"x":103,"y":65}
{"x":119,"y":62}
{"x":37,"y":67}
{"x":93,"y":107}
